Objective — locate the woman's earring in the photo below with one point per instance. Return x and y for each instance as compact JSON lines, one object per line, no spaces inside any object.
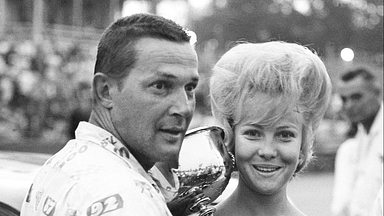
{"x":301,"y":158}
{"x":233,"y":160}
{"x":301,"y":162}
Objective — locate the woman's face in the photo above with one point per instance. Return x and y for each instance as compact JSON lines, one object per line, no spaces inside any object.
{"x":267,"y":155}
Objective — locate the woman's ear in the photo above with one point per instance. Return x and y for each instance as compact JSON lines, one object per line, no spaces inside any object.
{"x":230,"y":141}
{"x":102,"y":90}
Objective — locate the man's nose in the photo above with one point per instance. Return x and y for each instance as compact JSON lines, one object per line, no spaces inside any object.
{"x":347,"y":104}
{"x":182,"y":104}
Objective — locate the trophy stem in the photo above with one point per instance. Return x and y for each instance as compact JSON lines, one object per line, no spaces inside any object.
{"x":207,"y":211}
{"x":202,"y":206}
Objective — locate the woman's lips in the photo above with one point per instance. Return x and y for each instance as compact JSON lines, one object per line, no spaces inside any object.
{"x":266,"y":168}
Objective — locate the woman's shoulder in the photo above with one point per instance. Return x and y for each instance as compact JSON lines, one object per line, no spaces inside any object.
{"x":225,"y":208}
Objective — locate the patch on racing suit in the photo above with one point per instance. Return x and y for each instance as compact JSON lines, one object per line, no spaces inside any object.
{"x":38,"y":196}
{"x":49,"y":206}
{"x":145,"y":188}
{"x":105,"y":205}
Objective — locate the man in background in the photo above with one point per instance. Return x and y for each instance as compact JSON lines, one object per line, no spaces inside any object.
{"x":359,"y":160}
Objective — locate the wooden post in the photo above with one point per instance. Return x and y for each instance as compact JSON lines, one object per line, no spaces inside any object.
{"x":77,"y":19}
{"x":38,"y":20}
{"x":113,"y":10}
{"x":3,"y":16}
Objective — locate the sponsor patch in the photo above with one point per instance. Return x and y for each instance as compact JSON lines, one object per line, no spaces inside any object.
{"x":105,"y":205}
{"x":145,"y":188}
{"x":49,"y":206}
{"x":38,"y":196}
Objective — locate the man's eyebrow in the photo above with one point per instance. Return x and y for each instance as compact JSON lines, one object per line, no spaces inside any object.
{"x":166,"y":75}
{"x":172,"y":76}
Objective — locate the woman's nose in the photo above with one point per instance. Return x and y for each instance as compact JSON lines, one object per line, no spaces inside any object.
{"x":267,"y":150}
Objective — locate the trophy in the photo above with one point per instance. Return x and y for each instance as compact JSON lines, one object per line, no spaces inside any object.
{"x":204,"y":163}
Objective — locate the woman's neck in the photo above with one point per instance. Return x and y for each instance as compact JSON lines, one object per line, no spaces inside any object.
{"x":245,"y":202}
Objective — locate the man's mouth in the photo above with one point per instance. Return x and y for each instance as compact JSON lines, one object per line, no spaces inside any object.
{"x":173,"y":131}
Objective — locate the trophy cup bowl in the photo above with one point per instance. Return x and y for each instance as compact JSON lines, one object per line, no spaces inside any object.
{"x":204,"y":163}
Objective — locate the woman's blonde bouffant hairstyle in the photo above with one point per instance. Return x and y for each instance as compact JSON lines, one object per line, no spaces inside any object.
{"x":290,"y":74}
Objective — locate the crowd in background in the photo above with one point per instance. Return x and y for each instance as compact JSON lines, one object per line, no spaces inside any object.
{"x":45,"y":92}
{"x":41,"y":88}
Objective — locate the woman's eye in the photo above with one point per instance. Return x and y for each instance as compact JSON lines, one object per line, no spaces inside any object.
{"x":286,"y":135}
{"x":252,"y":133}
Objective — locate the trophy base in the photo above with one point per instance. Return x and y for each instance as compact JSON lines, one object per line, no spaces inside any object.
{"x":208,"y":212}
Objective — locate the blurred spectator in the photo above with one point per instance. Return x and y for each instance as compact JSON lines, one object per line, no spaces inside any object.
{"x":10,"y":120}
{"x":38,"y":83}
{"x":359,"y":160}
{"x":83,"y":99}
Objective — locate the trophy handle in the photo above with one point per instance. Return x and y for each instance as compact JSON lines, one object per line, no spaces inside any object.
{"x":209,"y":172}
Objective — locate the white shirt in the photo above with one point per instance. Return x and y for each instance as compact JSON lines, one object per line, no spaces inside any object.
{"x":377,"y":209}
{"x":169,"y":192}
{"x":359,"y":171}
{"x":93,"y":174}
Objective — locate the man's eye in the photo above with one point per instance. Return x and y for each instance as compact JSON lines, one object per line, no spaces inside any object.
{"x":160,"y":85}
{"x":356,"y":97}
{"x":190,"y":88}
{"x":343,"y":99}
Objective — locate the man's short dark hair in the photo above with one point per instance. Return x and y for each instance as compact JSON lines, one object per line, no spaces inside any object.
{"x":366,"y":75}
{"x":359,"y":72}
{"x":116,"y":53}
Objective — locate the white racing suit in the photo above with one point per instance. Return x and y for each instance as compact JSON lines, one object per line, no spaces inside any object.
{"x":93,"y":175}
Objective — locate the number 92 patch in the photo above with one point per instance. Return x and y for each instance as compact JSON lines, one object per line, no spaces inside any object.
{"x":105,"y":205}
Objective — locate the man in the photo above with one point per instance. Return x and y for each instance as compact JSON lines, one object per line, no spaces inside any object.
{"x":359,"y":160}
{"x":143,"y":99}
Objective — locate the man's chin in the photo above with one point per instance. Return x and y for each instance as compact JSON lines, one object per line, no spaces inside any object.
{"x":166,"y":152}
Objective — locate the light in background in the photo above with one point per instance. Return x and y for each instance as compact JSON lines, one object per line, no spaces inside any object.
{"x":174,"y":10}
{"x":193,"y":35}
{"x":347,"y":54}
{"x":170,"y":9}
{"x":302,"y":6}
{"x":180,"y":11}
{"x":199,"y":4}
{"x":132,"y":7}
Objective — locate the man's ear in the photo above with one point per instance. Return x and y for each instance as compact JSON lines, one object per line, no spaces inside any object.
{"x":102,"y":90}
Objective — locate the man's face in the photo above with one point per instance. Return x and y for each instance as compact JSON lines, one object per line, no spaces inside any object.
{"x":359,"y":100}
{"x":152,"y":111}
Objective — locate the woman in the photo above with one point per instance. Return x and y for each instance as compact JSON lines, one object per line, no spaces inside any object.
{"x":269,"y":98}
